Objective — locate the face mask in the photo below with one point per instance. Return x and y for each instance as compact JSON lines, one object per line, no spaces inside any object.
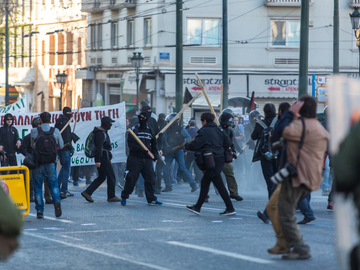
{"x":142,"y":122}
{"x":106,"y":126}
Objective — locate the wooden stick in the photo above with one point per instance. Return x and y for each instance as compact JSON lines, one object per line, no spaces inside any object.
{"x":178,"y":115}
{"x":181,"y":145}
{"x":68,"y":123}
{"x":79,"y":101}
{"x":221,"y":98}
{"x":141,"y":143}
{"x":207,"y":99}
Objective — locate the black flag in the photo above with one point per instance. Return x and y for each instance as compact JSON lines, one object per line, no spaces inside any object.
{"x":187,"y":96}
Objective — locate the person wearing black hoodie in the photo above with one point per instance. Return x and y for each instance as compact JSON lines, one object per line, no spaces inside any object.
{"x":103,"y":158}
{"x":139,"y":161}
{"x":9,"y":140}
{"x":65,"y":152}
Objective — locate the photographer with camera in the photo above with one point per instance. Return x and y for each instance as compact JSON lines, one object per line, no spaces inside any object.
{"x":302,"y":171}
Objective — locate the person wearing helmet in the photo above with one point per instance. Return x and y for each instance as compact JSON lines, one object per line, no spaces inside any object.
{"x":174,"y":136}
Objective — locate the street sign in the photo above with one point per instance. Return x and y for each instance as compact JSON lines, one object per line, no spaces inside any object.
{"x":324,"y":79}
{"x":321,"y":93}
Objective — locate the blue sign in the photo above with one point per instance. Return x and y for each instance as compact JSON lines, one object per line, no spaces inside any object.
{"x":164,"y":56}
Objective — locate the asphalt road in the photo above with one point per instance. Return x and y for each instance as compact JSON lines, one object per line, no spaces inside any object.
{"x":104,"y":235}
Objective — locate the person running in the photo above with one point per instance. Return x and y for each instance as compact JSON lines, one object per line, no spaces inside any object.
{"x":212,"y":140}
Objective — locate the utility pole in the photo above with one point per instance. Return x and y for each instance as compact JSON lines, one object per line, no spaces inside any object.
{"x":336,"y":38}
{"x":225,"y":77}
{"x":179,"y":56}
{"x":304,"y":48}
{"x":7,"y":58}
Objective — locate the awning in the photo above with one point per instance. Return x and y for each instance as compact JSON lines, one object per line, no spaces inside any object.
{"x":215,"y":102}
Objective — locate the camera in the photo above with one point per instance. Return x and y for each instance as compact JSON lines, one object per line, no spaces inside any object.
{"x":288,"y":171}
{"x":270,"y":155}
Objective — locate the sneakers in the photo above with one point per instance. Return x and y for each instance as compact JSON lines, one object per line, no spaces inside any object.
{"x":228,"y":213}
{"x":68,"y":194}
{"x":156,"y":202}
{"x":278,"y":250}
{"x":123,"y":202}
{"x":306,"y":220}
{"x":76,"y":183}
{"x":63,"y":195}
{"x":194,"y":188}
{"x":57,"y":207}
{"x":262,"y":217}
{"x":87,"y":196}
{"x":39,"y":215}
{"x":330,"y":206}
{"x":193,"y":209}
{"x":296,"y":256}
{"x":167,"y":189}
{"x":114,"y":199}
{"x":237,"y":197}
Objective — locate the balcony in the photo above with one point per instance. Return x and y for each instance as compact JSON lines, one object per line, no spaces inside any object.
{"x":119,"y":4}
{"x":93,"y":6}
{"x":354,"y":3}
{"x":287,"y":3}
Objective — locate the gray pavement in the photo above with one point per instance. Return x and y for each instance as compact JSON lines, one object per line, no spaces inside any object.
{"x":104,"y":235}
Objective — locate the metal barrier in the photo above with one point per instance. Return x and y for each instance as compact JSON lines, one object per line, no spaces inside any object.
{"x":18,"y":189}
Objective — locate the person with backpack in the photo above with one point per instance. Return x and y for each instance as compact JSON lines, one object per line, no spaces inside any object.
{"x":261,"y":134}
{"x":98,"y":146}
{"x":65,"y":153}
{"x":10,"y":140}
{"x":44,"y":141}
{"x":139,"y":161}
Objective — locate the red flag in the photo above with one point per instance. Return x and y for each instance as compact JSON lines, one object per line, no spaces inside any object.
{"x":251,"y":106}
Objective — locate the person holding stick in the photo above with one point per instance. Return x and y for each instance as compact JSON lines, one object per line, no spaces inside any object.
{"x":141,"y":138}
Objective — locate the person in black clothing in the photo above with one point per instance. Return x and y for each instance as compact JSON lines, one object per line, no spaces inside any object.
{"x":139,"y":161}
{"x":103,"y":158}
{"x":159,"y":165}
{"x":151,"y":121}
{"x":10,"y":141}
{"x":65,"y":153}
{"x":211,"y":139}
{"x":268,"y":166}
{"x":190,"y":155}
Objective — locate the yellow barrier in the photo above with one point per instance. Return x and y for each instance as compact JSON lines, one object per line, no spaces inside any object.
{"x":18,"y":190}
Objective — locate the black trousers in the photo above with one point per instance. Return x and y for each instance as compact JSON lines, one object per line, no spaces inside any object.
{"x":189,"y":160}
{"x":135,"y":166}
{"x":105,"y":171}
{"x":214,"y":176}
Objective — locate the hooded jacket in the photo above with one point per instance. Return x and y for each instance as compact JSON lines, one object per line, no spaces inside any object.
{"x":102,"y":144}
{"x":148,"y":139}
{"x":9,"y":136}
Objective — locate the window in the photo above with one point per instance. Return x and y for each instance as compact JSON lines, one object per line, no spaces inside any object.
{"x":79,"y":51}
{"x":131,"y":31}
{"x":147,"y":31}
{"x":43,"y":52}
{"x":60,"y":49}
{"x":285,"y":33}
{"x":92,"y":37}
{"x":52,"y":50}
{"x":203,"y":31}
{"x":69,"y":48}
{"x":114,"y":34}
{"x":99,"y":36}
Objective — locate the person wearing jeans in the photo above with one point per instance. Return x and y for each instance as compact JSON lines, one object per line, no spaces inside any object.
{"x":65,"y":161}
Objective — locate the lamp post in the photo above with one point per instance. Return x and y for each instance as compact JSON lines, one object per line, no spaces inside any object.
{"x":61,"y":78}
{"x":137,"y":62}
{"x":355,"y":22}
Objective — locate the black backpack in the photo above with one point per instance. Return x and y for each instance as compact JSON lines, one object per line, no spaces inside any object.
{"x":45,"y":146}
{"x":264,"y":145}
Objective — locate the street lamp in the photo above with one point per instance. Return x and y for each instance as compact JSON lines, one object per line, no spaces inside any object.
{"x":137,"y":62}
{"x":61,"y":78}
{"x":355,"y":22}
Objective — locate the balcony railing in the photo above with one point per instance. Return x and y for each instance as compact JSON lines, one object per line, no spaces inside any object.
{"x":118,"y":4}
{"x":93,"y":6}
{"x":286,"y":3}
{"x":354,"y":3}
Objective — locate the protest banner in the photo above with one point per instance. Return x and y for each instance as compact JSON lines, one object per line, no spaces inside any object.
{"x":20,"y":106}
{"x":89,"y":118}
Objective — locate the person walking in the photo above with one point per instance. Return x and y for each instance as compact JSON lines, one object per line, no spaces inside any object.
{"x":211,"y":141}
{"x":103,"y":158}
{"x":65,"y":153}
{"x":190,"y":155}
{"x":139,"y":161}
{"x":44,"y":140}
{"x":10,"y":140}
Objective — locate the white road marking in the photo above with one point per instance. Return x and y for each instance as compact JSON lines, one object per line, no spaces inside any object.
{"x":235,"y":218}
{"x":74,"y":238}
{"x":88,"y":224}
{"x":219,"y":252}
{"x":217,"y":221}
{"x":172,"y":221}
{"x":99,"y":252}
{"x":56,"y":219}
{"x":53,"y":228}
{"x":30,"y":229}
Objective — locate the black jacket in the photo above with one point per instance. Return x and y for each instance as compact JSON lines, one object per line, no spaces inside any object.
{"x":234,"y":144}
{"x":256,"y":136}
{"x":66,"y":134}
{"x":210,"y":138}
{"x":8,"y":138}
{"x":26,"y":146}
{"x":102,"y":144}
{"x":147,"y":137}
